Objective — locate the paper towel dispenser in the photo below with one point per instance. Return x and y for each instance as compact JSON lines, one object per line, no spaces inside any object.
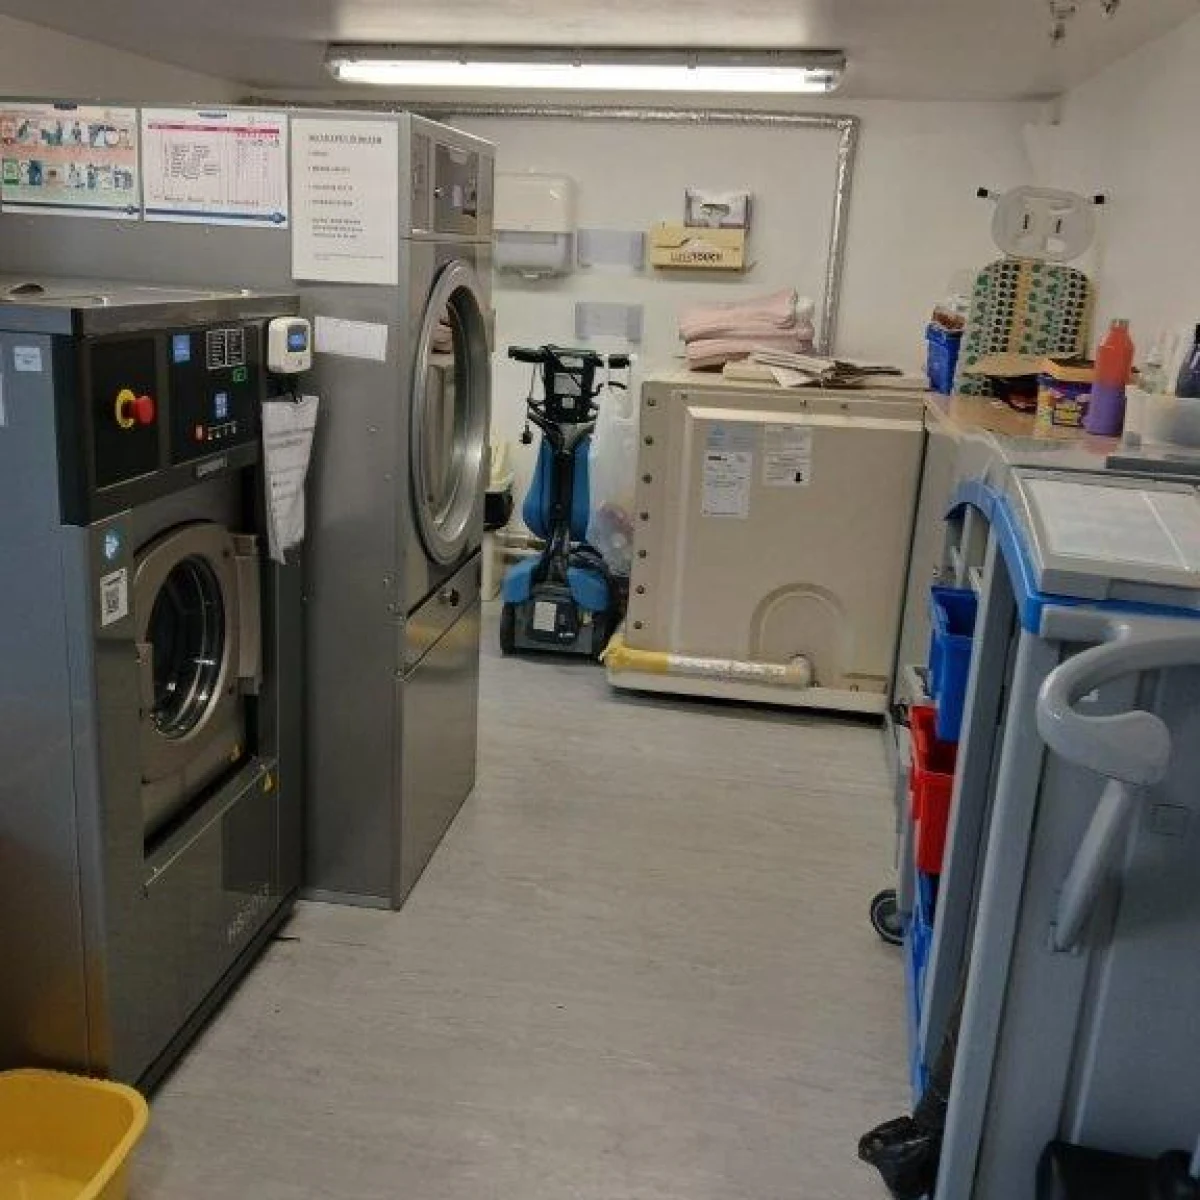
{"x":534,"y":224}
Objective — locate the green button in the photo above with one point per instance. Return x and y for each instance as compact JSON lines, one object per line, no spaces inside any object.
{"x":240,"y":374}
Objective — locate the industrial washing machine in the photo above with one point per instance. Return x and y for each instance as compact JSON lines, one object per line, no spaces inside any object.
{"x":393,"y":589}
{"x":150,"y":819}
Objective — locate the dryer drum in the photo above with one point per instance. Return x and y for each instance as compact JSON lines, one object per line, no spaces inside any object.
{"x":450,"y":414}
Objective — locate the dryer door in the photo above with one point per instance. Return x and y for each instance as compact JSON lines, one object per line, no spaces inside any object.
{"x":196,"y":612}
{"x":452,"y":390}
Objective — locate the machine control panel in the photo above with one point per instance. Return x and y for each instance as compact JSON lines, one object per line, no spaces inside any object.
{"x":162,"y":398}
{"x":215,"y":386}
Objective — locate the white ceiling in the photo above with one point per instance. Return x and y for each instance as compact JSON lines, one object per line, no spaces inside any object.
{"x":937,"y":49}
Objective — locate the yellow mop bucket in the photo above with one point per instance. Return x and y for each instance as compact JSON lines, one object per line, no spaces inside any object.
{"x":64,"y":1137}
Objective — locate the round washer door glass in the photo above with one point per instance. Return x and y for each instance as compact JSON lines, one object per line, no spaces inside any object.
{"x":187,"y":636}
{"x":451,"y":402}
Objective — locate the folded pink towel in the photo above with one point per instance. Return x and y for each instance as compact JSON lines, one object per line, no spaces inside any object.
{"x":707,"y":353}
{"x":774,"y":312}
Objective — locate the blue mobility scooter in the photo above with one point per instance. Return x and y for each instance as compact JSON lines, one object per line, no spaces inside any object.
{"x":565,"y":599}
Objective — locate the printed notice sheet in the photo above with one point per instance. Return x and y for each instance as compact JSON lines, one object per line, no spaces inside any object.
{"x":728,"y":470}
{"x":215,"y":167}
{"x":287,"y":429}
{"x":69,"y":159}
{"x":346,"y":201}
{"x":787,"y":455}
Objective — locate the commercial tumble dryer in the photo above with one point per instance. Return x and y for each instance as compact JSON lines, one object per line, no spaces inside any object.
{"x":393,"y":586}
{"x":150,"y":824}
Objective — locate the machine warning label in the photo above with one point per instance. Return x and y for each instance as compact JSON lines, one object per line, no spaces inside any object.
{"x":545,"y":616}
{"x":727,"y":476}
{"x":787,"y":455}
{"x":27,"y":359}
{"x":114,"y":597}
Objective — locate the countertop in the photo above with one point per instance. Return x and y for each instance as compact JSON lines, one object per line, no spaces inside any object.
{"x":1010,"y":434}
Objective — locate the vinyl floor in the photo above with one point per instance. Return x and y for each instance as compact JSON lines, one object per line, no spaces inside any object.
{"x":638,"y":968}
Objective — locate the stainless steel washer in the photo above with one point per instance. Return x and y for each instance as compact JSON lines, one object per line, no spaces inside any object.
{"x":150,"y":826}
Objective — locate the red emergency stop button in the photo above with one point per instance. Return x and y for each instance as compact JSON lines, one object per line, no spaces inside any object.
{"x":145,"y":410}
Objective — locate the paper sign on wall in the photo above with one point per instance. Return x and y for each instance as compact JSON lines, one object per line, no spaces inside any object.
{"x":215,"y":167}
{"x":69,"y":159}
{"x":787,"y":455}
{"x":346,"y":201}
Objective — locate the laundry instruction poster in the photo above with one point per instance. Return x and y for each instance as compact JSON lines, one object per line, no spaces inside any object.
{"x":346,"y":198}
{"x":215,"y":166}
{"x":69,"y":159}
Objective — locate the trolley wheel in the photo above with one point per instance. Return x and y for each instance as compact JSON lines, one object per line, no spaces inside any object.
{"x":885,"y":917}
{"x":508,"y":629}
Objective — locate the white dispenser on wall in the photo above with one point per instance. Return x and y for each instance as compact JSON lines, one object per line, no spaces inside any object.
{"x":534,"y":224}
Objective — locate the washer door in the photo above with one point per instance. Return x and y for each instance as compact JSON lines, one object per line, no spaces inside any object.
{"x":191,"y":606}
{"x":452,"y":390}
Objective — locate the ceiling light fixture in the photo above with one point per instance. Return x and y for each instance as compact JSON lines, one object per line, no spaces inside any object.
{"x":775,"y":72}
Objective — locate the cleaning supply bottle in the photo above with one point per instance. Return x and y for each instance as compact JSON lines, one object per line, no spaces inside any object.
{"x":1114,"y":362}
{"x":1153,"y":375}
{"x":1188,"y":384}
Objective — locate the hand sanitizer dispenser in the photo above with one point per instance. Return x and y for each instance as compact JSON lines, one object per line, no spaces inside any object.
{"x":534,"y":224}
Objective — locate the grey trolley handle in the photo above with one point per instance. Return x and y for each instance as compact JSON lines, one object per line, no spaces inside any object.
{"x":1133,"y":749}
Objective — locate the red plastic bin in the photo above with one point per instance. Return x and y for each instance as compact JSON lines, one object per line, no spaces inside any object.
{"x":931,"y":784}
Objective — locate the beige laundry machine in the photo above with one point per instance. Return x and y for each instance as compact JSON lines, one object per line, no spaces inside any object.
{"x":772,"y":537}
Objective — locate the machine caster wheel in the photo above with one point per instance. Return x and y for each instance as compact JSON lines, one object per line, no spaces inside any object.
{"x":508,"y":629}
{"x":885,"y":917}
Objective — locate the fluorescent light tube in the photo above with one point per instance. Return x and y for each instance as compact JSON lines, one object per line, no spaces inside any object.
{"x":774,"y":74}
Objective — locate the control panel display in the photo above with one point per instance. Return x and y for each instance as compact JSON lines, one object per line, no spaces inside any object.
{"x":214,"y":391}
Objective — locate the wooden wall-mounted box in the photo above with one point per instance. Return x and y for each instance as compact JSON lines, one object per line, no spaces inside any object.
{"x":689,"y":248}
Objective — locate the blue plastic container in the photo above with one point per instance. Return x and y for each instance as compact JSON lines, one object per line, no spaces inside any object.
{"x":941,"y":357}
{"x":953,"y":612}
{"x":918,"y":945}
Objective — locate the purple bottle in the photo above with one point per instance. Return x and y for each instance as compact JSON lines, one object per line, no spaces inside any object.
{"x":1114,"y":361}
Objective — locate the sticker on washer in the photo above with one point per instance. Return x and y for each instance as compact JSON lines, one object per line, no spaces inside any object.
{"x":787,"y":455}
{"x":732,"y":435}
{"x":114,"y":597}
{"x":545,"y":616}
{"x":27,"y":359}
{"x":727,"y":476}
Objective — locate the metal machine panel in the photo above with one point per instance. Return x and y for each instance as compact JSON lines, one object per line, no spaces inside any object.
{"x":435,"y":767}
{"x":429,"y":623}
{"x":354,"y":586}
{"x":378,"y":802}
{"x":39,"y":877}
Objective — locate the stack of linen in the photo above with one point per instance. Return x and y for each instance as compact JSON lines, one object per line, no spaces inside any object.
{"x":719,"y":333}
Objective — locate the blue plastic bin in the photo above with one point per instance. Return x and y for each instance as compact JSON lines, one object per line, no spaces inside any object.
{"x":953,"y":613}
{"x":918,"y":945}
{"x":941,"y":357}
